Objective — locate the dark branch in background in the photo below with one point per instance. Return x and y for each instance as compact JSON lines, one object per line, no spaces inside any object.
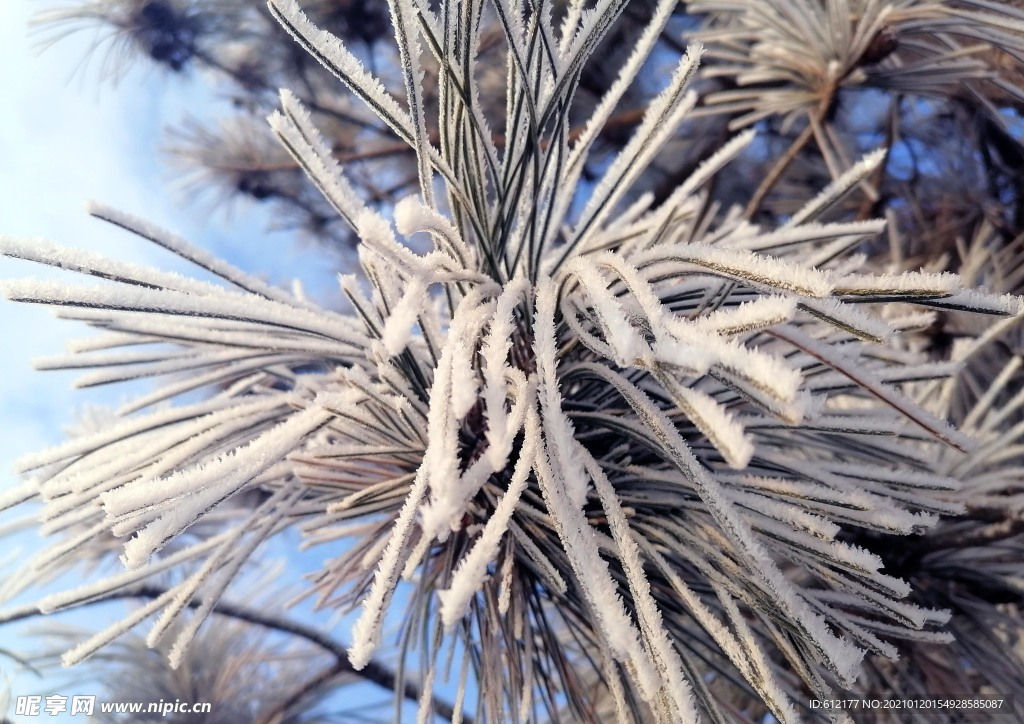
{"x":321,"y":679}
{"x":814,"y":116}
{"x":374,"y":672}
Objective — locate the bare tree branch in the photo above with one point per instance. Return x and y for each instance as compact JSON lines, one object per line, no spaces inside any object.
{"x":374,"y":672}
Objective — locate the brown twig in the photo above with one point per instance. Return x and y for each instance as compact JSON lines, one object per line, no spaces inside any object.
{"x":620,"y":122}
{"x":814,"y":117}
{"x":870,"y":207}
{"x":1009,"y":525}
{"x":776,"y":171}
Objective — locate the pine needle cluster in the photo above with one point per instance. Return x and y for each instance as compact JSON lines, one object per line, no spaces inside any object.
{"x":614,"y":455}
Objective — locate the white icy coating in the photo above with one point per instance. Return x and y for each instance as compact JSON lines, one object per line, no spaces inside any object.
{"x":658,"y":643}
{"x":913,"y":284}
{"x":852,"y":318}
{"x":189,"y":494}
{"x":592,"y":572}
{"x":760,"y":271}
{"x":472,"y":569}
{"x":757,"y":314}
{"x":199,"y":257}
{"x":404,"y":19}
{"x":298,"y":134}
{"x":664,"y":114}
{"x":645,"y":44}
{"x":806,"y":234}
{"x":842,"y":657}
{"x":624,"y":340}
{"x":665,"y":394}
{"x":137,"y":299}
{"x":495,"y":365}
{"x":838,"y":188}
{"x":366,"y":632}
{"x":398,"y":328}
{"x":345,"y":65}
{"x":412,"y":216}
{"x":258,"y":528}
{"x":558,"y":430}
{"x":719,"y":426}
{"x":91,"y":263}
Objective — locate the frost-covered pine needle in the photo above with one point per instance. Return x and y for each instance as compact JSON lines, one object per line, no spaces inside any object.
{"x":596,"y":450}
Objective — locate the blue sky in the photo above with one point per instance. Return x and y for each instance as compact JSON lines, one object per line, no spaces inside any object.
{"x":63,"y":139}
{"x":66,"y":137}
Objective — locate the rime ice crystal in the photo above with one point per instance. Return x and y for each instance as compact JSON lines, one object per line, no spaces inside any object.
{"x":609,"y":434}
